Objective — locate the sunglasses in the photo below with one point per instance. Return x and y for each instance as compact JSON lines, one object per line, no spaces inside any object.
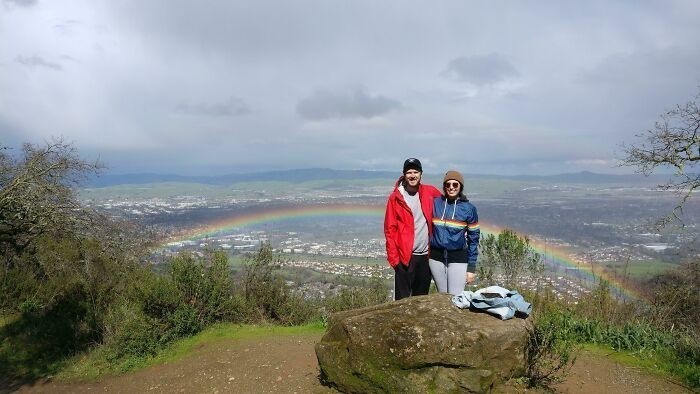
{"x":453,"y":185}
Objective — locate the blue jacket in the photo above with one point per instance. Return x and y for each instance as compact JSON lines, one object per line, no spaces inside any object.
{"x":495,"y":300}
{"x":455,"y":228}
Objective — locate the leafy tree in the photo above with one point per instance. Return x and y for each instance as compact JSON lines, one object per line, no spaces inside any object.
{"x":510,"y":255}
{"x":674,"y":142}
{"x":50,"y":244}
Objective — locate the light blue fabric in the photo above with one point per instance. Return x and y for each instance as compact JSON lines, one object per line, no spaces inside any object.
{"x":495,"y":300}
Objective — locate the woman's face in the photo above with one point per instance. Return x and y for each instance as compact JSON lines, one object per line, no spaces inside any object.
{"x":452,"y":189}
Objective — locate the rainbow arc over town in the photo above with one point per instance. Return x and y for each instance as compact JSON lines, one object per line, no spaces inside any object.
{"x":554,"y":255}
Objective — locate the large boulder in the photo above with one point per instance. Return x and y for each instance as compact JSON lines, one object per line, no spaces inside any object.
{"x":421,"y":344}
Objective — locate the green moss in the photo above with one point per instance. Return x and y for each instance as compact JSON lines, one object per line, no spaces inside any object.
{"x":7,"y":319}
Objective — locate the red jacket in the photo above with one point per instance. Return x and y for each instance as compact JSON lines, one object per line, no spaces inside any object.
{"x":398,"y":222}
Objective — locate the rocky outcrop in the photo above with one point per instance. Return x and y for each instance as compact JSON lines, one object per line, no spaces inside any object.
{"x":418,"y":345}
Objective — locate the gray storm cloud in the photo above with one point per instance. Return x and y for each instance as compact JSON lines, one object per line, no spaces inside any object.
{"x":174,"y":86}
{"x":35,"y":61}
{"x":481,"y":70}
{"x":233,"y":107}
{"x":66,"y":27}
{"x":20,"y":3}
{"x":324,"y":104}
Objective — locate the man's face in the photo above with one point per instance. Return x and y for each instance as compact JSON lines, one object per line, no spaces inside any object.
{"x":412,"y":177}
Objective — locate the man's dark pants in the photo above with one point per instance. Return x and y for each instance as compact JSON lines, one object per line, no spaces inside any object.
{"x":413,"y":280}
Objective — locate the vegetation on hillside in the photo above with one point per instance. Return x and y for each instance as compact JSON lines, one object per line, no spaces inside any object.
{"x":74,"y":282}
{"x":511,"y":256}
{"x":663,"y":329}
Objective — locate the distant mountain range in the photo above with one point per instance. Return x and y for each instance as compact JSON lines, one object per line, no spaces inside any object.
{"x":301,"y":175}
{"x":316,"y":174}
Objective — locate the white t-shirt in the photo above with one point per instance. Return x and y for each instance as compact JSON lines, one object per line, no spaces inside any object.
{"x":420,"y":226}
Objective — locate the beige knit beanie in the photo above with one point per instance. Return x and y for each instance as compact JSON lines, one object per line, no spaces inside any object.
{"x":453,"y":176}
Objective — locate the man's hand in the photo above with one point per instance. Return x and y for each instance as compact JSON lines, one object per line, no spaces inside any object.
{"x":471,"y":277}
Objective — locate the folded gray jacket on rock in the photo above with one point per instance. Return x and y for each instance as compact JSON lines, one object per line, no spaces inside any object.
{"x":495,"y":300}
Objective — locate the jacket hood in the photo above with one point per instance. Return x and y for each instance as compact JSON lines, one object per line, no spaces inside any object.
{"x":461,"y":197}
{"x":398,"y":182}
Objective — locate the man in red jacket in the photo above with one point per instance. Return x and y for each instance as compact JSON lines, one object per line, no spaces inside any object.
{"x":407,"y":229}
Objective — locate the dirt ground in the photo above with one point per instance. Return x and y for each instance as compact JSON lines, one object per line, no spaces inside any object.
{"x":288,"y":365}
{"x":595,"y":373}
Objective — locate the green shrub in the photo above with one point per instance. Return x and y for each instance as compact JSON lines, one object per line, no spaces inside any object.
{"x":511,"y":256}
{"x":183,"y":322}
{"x":132,"y":333}
{"x":675,"y":299}
{"x":267,"y":294}
{"x":623,"y":325}
{"x":549,"y":353}
{"x":373,"y":293}
{"x":158,"y":296}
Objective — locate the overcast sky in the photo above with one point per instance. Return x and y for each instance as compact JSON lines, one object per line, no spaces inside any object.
{"x":215,"y":87}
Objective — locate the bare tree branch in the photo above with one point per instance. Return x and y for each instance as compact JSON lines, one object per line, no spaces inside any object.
{"x":37,"y":193}
{"x":674,"y":143}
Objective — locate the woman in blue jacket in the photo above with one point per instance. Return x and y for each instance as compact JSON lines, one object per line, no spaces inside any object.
{"x":455,"y":241}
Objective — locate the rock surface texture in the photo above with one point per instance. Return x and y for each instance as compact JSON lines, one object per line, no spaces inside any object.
{"x":421,"y":344}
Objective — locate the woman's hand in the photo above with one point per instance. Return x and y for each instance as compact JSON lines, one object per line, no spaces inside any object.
{"x":471,"y":277}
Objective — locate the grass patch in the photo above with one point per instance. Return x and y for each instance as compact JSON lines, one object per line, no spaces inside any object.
{"x":7,"y":319}
{"x":95,"y":364}
{"x":658,"y":351}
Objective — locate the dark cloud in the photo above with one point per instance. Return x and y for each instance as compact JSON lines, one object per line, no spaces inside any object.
{"x":35,"y":61}
{"x":20,"y":3}
{"x":669,"y":67}
{"x":66,"y":27}
{"x":152,"y":75}
{"x":481,"y":70}
{"x":233,"y":107}
{"x":639,"y":86}
{"x":354,"y":104}
{"x":69,"y":58}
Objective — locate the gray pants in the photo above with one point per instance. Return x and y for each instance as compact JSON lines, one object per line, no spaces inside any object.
{"x":449,"y":278}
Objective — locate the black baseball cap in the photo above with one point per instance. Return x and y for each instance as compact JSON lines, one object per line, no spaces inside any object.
{"x":412,"y":164}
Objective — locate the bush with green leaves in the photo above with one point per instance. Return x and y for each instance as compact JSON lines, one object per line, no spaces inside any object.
{"x":601,"y":319}
{"x":129,"y":331}
{"x":194,"y":293}
{"x":268,"y":295}
{"x":549,"y":353}
{"x":509,"y":255}
{"x":373,"y":292}
{"x":675,"y":299}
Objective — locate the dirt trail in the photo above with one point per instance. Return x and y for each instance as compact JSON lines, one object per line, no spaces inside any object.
{"x":594,"y":373}
{"x":288,"y":365}
{"x":285,"y":364}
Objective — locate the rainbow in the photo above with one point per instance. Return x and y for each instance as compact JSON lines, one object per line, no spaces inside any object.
{"x":263,"y":216}
{"x":562,"y":257}
{"x":554,"y":255}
